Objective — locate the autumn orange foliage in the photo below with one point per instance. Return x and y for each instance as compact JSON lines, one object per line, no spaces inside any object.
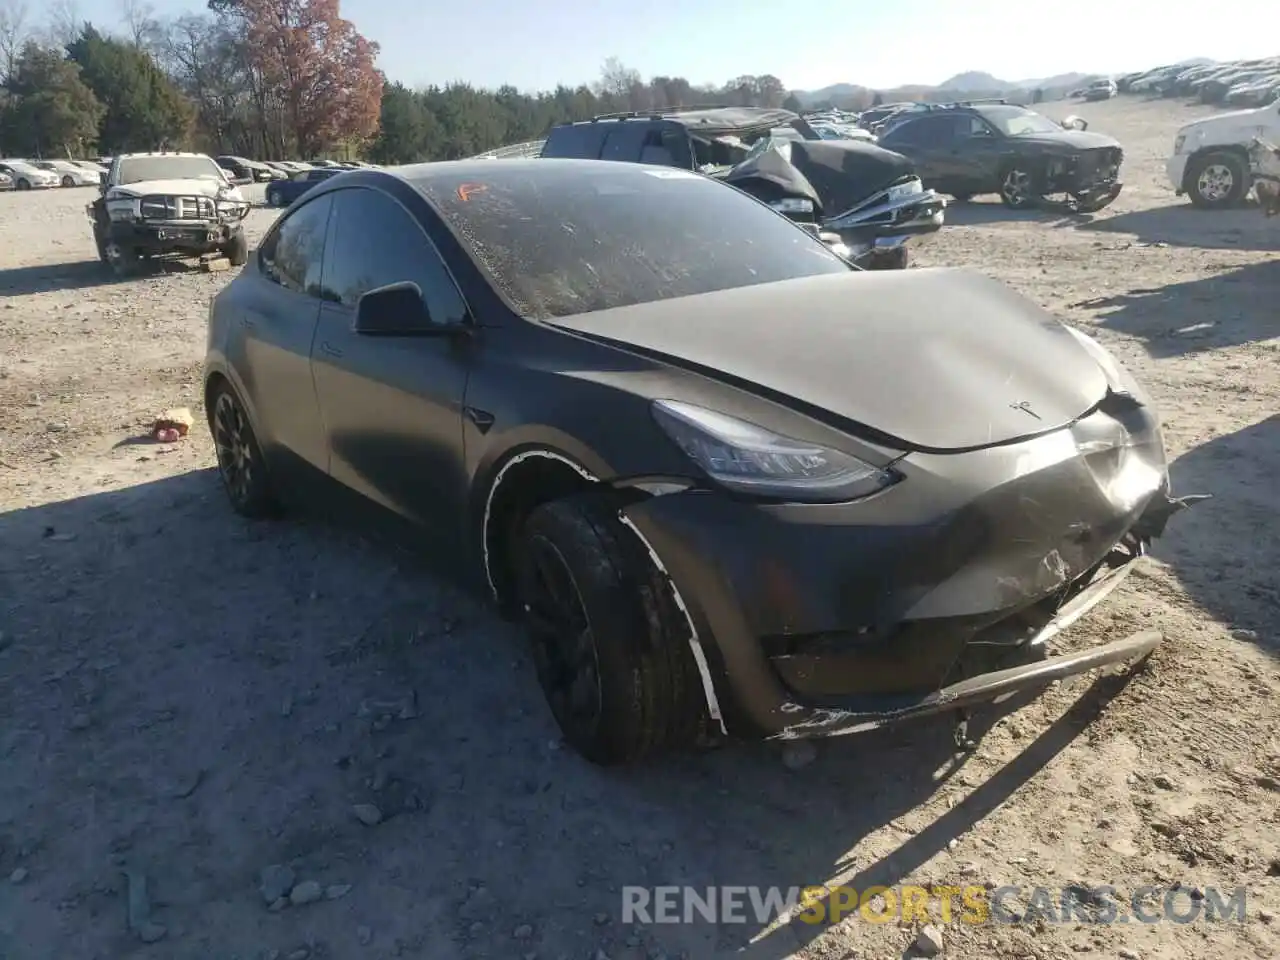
{"x":318,"y":66}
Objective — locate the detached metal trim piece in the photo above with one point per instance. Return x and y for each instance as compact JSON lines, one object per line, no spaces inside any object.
{"x":695,"y":643}
{"x":876,"y":712}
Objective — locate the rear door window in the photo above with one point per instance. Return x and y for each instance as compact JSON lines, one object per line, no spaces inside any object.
{"x":581,"y":141}
{"x":626,"y":141}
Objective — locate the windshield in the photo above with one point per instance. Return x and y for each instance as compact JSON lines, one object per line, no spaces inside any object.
{"x":564,"y":237}
{"x":138,"y":169}
{"x":1018,"y":122}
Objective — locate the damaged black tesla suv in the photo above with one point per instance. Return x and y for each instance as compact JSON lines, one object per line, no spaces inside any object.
{"x":731,"y":484}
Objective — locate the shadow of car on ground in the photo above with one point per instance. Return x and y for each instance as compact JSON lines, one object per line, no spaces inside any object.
{"x":1189,"y":317}
{"x":1236,"y":556}
{"x":984,"y":211}
{"x":201,"y":648}
{"x":85,"y":275}
{"x":1182,"y":225}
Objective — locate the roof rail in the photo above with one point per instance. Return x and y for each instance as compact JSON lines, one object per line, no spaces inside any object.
{"x":627,"y":115}
{"x":658,"y":114}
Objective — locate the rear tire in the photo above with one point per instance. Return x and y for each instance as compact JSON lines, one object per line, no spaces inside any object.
{"x":1216,"y":181}
{"x":1017,"y":187}
{"x":23,"y":184}
{"x":236,"y":249}
{"x":609,"y":642}
{"x":241,"y":466}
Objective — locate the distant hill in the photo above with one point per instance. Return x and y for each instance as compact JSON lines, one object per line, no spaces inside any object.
{"x":970,"y":84}
{"x":1061,"y":80}
{"x":973,"y":80}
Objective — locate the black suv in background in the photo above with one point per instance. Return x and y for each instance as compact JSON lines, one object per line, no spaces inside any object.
{"x":690,"y":139}
{"x":978,"y":147}
{"x":865,"y":202}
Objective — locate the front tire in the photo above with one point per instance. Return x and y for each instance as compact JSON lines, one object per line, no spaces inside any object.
{"x":68,"y":181}
{"x":236,"y":249}
{"x":274,"y":199}
{"x":1216,"y":181}
{"x":899,"y":258}
{"x":1017,"y":188}
{"x":609,"y":643}
{"x":23,"y":184}
{"x":124,"y":261}
{"x":241,"y":465}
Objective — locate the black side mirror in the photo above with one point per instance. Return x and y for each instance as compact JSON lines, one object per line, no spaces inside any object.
{"x":396,"y":310}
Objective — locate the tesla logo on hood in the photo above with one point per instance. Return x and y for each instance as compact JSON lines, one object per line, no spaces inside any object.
{"x":1025,"y":407}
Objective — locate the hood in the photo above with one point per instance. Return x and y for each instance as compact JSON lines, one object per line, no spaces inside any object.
{"x":841,"y":173}
{"x":202,"y":187}
{"x":1231,"y":117}
{"x":1075,"y":139}
{"x":932,"y":359}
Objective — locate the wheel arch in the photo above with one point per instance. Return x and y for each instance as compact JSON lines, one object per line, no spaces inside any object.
{"x":1238,"y":150}
{"x":219,"y":376}
{"x":519,"y":480}
{"x":532,"y":474}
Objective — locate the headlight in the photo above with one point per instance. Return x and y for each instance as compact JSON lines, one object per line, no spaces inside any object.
{"x":233,"y":208}
{"x":908,"y":189}
{"x":122,"y":209}
{"x":751,"y":459}
{"x":792,"y":205}
{"x":1178,"y":143}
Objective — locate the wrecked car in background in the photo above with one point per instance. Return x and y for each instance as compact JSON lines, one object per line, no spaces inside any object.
{"x":1264,"y":158}
{"x":989,"y":146}
{"x":1210,"y":162}
{"x":867,"y":201}
{"x":158,"y":204}
{"x":729,"y":483}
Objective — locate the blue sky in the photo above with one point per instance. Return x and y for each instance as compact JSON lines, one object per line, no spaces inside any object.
{"x":539,"y":43}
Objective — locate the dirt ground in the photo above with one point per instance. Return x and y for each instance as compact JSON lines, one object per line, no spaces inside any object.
{"x":187,"y":699}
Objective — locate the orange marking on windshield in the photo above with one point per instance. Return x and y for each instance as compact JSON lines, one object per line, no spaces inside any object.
{"x":467,"y":189}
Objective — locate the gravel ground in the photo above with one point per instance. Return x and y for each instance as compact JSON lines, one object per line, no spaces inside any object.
{"x":188,"y":700}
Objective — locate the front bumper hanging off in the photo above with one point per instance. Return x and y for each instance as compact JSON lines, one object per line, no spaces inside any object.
{"x":827,"y":680}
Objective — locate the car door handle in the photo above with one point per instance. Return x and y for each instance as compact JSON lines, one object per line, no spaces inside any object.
{"x":329,"y":350}
{"x":247,"y":323}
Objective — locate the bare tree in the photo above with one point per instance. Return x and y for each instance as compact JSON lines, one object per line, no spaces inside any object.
{"x":140,"y":24}
{"x":64,"y":22}
{"x":13,"y":34}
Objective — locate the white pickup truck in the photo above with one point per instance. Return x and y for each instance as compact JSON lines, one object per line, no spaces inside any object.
{"x":160,"y":204}
{"x":1210,"y":161}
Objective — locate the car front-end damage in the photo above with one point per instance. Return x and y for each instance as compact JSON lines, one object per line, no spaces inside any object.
{"x":826,"y":619}
{"x":189,"y":218}
{"x":1264,"y":168}
{"x":864,"y":202}
{"x":916,"y":549}
{"x":1080,"y":181}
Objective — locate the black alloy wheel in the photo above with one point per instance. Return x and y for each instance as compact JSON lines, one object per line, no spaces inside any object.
{"x":240,"y":462}
{"x":564,"y":650}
